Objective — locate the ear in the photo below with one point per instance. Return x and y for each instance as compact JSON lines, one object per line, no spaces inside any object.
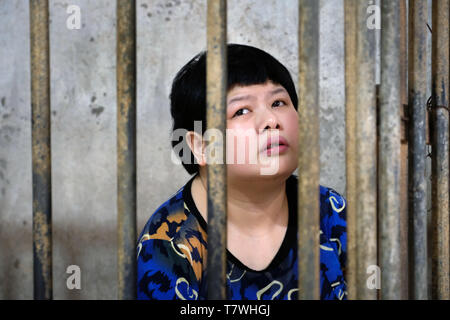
{"x":195,"y":143}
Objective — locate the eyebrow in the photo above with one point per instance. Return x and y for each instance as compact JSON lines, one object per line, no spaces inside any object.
{"x":240,"y":98}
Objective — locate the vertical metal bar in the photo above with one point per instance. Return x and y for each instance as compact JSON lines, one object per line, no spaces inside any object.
{"x":417,"y":186}
{"x":366,"y":156}
{"x":308,"y":183}
{"x":217,"y":175}
{"x":389,"y":151}
{"x":404,"y":151}
{"x":350,"y":143}
{"x":440,"y":151}
{"x":126,"y":147}
{"x":41,"y":154}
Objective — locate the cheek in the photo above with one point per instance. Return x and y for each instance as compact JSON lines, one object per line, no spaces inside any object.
{"x":292,"y":124}
{"x":242,"y":144}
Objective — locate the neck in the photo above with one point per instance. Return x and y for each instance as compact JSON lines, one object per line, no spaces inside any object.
{"x":255,"y":207}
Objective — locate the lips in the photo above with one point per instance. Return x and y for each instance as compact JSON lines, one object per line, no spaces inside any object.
{"x":273,"y":142}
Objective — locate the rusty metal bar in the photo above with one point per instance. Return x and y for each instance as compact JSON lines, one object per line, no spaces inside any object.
{"x":366,"y":156}
{"x":126,"y":147}
{"x":216,"y":78}
{"x":404,"y":151}
{"x":417,"y":186}
{"x":350,"y":143}
{"x":440,"y":151}
{"x":308,"y":181}
{"x":41,"y":153}
{"x":389,"y":152}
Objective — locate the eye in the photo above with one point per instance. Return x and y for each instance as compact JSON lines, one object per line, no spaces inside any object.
{"x":278,"y":103}
{"x":239,"y":113}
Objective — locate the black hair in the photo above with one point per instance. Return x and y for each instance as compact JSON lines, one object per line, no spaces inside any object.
{"x":246,"y":66}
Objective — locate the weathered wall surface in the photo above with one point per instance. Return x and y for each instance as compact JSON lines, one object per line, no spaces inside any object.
{"x":83,"y":103}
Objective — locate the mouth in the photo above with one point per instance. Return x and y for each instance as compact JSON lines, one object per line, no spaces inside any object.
{"x":275,"y":145}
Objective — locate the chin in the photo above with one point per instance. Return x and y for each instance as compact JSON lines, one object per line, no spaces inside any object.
{"x":283,"y":170}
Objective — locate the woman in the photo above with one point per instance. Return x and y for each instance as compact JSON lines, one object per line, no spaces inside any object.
{"x":261,"y":207}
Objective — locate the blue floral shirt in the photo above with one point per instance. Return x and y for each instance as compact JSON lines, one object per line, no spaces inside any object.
{"x":171,"y":259}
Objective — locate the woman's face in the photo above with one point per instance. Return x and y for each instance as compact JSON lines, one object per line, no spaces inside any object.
{"x":256,"y":113}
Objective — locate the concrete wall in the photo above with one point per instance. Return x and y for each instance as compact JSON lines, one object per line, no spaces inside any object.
{"x":83,"y":104}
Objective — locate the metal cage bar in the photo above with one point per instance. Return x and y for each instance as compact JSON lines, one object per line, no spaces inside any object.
{"x":389,"y":151}
{"x":308,"y":180}
{"x":350,"y":143}
{"x":401,"y":226}
{"x":366,"y":157}
{"x":126,"y":148}
{"x":41,"y":153}
{"x":417,"y":186}
{"x":440,"y":152}
{"x":404,"y":150}
{"x":216,"y":94}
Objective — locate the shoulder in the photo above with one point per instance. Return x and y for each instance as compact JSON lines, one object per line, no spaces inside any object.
{"x":333,"y":213}
{"x":164,"y":223}
{"x":174,"y":236}
{"x":332,"y":204}
{"x":333,"y":208}
{"x":333,"y":199}
{"x":166,"y":264}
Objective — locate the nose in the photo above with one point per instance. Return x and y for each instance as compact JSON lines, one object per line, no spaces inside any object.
{"x":277,"y":126}
{"x":270,"y":121}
